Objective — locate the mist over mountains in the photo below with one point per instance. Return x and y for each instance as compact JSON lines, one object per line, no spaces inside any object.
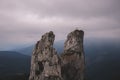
{"x":90,"y":46}
{"x":22,"y":22}
{"x":101,"y":56}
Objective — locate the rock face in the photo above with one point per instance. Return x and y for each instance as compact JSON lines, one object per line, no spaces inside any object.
{"x":46,"y":64}
{"x":73,"y":57}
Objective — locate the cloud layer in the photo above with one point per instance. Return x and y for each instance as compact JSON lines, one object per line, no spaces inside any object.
{"x":24,"y":21}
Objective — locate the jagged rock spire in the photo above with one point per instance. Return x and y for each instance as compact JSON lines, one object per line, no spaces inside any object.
{"x":73,"y":56}
{"x":74,"y":41}
{"x":47,"y":65}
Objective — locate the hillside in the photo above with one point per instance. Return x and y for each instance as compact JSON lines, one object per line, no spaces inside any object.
{"x":13,"y":63}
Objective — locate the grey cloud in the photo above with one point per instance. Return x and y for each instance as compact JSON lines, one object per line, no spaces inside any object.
{"x":24,"y":21}
{"x":70,"y":8}
{"x":77,"y":8}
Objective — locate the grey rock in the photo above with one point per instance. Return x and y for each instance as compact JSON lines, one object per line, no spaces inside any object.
{"x":46,"y":64}
{"x":73,"y":57}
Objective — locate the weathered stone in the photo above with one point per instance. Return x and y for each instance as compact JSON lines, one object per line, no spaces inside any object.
{"x":47,"y":65}
{"x":73,"y":56}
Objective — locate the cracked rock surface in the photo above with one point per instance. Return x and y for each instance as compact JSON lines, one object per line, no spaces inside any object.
{"x":73,"y":57}
{"x":46,"y":64}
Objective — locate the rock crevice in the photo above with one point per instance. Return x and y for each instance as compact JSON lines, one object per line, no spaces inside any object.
{"x":46,"y":64}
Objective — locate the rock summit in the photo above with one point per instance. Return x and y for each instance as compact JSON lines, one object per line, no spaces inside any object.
{"x":46,"y":64}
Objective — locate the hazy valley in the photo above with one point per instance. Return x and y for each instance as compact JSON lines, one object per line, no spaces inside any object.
{"x":102,"y":61}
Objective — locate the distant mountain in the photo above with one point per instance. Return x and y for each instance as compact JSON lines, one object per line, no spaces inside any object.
{"x":12,"y":63}
{"x":104,"y":67}
{"x":26,"y":50}
{"x":102,"y":58}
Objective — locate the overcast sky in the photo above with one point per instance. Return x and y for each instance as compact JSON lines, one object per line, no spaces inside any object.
{"x":22,"y":22}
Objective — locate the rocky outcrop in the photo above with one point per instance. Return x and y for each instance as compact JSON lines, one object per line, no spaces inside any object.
{"x":47,"y":65}
{"x":73,"y":57}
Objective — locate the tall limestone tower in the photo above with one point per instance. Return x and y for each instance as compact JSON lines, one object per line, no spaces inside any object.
{"x":73,"y":56}
{"x":46,"y":64}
